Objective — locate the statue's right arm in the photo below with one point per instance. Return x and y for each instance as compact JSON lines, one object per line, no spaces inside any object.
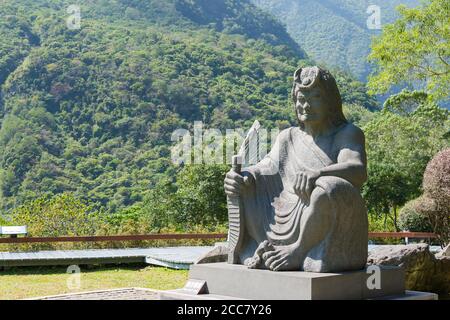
{"x":351,"y":161}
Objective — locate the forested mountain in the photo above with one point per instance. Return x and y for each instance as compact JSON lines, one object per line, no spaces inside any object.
{"x":91,"y":111}
{"x":334,"y":32}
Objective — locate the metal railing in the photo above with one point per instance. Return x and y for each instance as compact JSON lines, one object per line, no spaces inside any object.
{"x":184,"y":236}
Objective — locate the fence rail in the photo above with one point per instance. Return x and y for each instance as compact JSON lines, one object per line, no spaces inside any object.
{"x":399,"y":235}
{"x":185,"y":236}
{"x":176,"y":236}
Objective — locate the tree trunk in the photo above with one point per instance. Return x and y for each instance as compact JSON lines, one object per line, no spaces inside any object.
{"x":385,"y":221}
{"x":395,"y":218}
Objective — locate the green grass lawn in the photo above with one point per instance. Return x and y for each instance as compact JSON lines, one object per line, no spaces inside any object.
{"x":21,"y":283}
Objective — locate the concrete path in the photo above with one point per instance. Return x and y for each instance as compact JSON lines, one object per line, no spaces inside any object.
{"x":173,"y":257}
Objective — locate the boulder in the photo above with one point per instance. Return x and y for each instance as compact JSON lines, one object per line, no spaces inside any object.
{"x":444,"y":253}
{"x":423,"y":270}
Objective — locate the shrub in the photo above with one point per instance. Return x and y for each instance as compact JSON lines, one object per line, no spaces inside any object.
{"x":196,"y":198}
{"x":60,"y":215}
{"x":436,"y":181}
{"x":3,"y":221}
{"x":413,"y":220}
{"x":436,"y":185}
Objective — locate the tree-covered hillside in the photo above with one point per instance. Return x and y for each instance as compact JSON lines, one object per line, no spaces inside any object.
{"x":334,"y":32}
{"x":91,"y":111}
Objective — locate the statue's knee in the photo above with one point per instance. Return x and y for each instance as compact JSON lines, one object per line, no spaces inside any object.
{"x":332,"y":185}
{"x":329,"y":190}
{"x":337,"y":189}
{"x":319,"y":195}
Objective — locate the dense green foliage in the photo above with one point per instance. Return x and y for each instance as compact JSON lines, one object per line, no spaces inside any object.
{"x":334,"y":32}
{"x":405,"y":102}
{"x":416,"y":50}
{"x":54,"y":216}
{"x":398,"y":150}
{"x":197,"y":198}
{"x":410,"y":219}
{"x":87,"y":115}
{"x":91,"y":111}
{"x":66,"y":215}
{"x":358,"y":115}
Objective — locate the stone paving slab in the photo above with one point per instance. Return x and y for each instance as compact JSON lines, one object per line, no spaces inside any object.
{"x":148,"y":294}
{"x":114,"y":294}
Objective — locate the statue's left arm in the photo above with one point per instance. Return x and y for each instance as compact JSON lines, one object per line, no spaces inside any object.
{"x":351,"y":161}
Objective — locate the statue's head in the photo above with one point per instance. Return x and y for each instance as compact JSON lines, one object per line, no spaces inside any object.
{"x":316,"y":97}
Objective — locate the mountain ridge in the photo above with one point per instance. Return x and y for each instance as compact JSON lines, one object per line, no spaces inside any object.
{"x":323,"y":28}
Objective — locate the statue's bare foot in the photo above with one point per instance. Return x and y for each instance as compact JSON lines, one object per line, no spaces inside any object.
{"x":283,"y":258}
{"x":253,"y":262}
{"x":256,"y":262}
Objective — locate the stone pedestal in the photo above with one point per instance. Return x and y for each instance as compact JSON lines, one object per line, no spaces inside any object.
{"x":237,"y":281}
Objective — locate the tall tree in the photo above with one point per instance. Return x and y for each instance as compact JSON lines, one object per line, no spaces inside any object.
{"x":415,"y":49}
{"x":398,"y":150}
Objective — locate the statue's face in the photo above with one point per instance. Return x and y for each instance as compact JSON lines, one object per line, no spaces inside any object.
{"x":311,"y":106}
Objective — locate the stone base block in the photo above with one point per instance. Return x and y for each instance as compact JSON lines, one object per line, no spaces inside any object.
{"x":237,"y":281}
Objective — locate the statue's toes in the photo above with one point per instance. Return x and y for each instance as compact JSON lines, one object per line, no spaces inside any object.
{"x":261,"y":249}
{"x":281,"y":266}
{"x":269,"y":259}
{"x":254,"y":262}
{"x":275,"y":263}
{"x":283,"y":263}
{"x":271,"y":255}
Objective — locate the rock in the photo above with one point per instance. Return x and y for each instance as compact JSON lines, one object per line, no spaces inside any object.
{"x":423,"y":271}
{"x":444,"y":253}
{"x":218,"y":254}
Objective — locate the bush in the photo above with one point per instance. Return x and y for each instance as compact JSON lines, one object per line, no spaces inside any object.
{"x":196,"y":198}
{"x":436,"y":185}
{"x":65,"y":215}
{"x":60,"y":215}
{"x":413,"y":220}
{"x":436,"y":181}
{"x":3,"y":221}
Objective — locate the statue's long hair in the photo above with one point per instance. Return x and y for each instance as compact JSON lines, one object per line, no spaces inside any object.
{"x":329,"y":89}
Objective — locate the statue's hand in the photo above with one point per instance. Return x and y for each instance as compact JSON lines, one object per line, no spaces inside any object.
{"x":234,"y":182}
{"x":305,"y":182}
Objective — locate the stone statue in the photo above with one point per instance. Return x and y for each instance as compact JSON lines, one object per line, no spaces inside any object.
{"x":300,"y":207}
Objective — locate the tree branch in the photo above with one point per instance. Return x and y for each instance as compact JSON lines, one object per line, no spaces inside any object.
{"x":443,"y":60}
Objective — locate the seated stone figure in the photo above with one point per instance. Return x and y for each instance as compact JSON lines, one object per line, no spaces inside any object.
{"x":301,"y":204}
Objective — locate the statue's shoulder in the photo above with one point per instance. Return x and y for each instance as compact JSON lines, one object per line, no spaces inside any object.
{"x":349,"y":133}
{"x":286,"y":134}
